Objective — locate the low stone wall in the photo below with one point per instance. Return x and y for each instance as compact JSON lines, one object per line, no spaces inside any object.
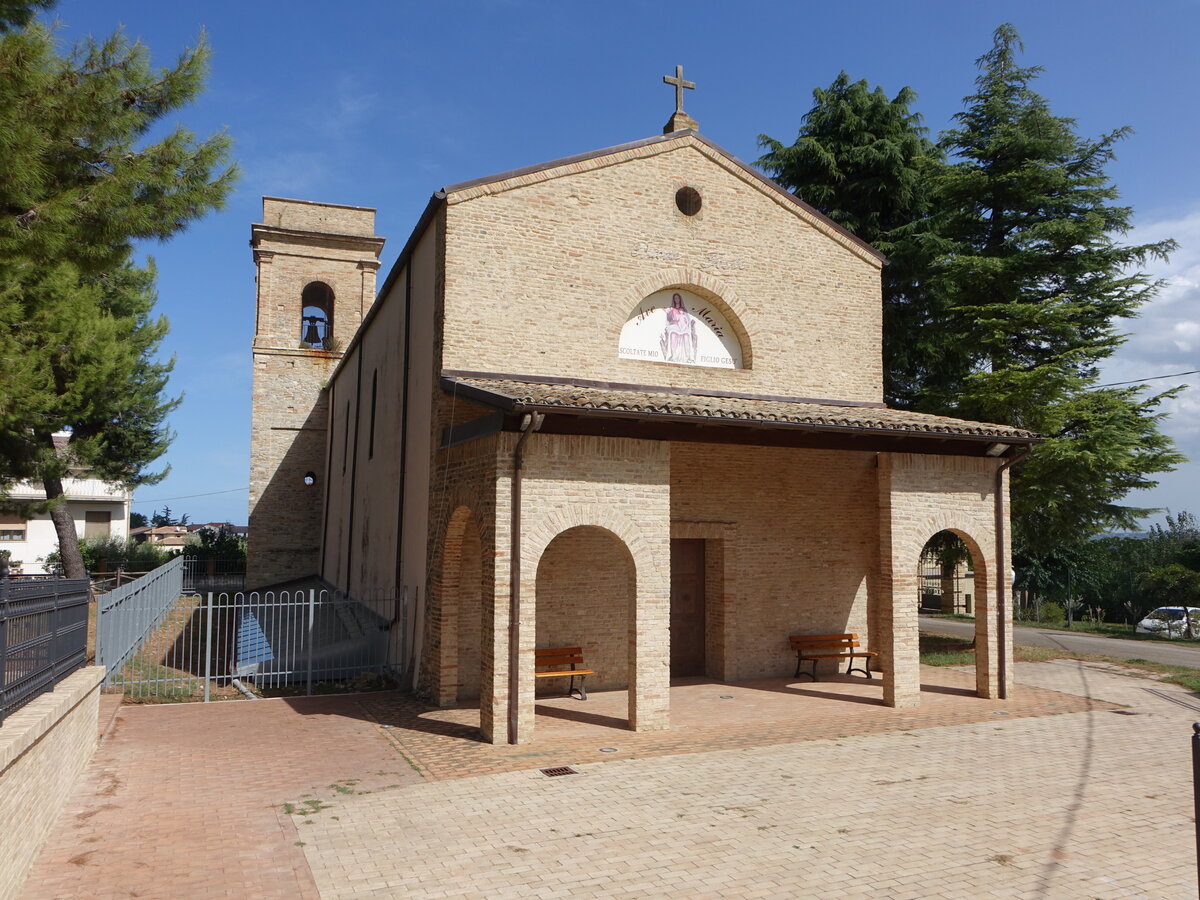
{"x":44,"y":747}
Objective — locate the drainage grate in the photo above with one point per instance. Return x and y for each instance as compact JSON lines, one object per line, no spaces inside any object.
{"x":558,"y":770}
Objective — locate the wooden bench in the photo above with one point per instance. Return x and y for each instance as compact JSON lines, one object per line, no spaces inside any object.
{"x":811,"y":647}
{"x":563,"y":656}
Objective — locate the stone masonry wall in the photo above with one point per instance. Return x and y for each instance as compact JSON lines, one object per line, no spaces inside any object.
{"x":621,"y":486}
{"x":920,"y":496}
{"x":615,"y":484}
{"x":804,"y":545}
{"x":296,"y":244}
{"x":44,"y":748}
{"x":585,"y":587}
{"x":549,"y":272}
{"x":462,"y":501}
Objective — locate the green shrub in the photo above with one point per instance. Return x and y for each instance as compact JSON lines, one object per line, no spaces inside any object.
{"x":109,"y":553}
{"x":1053,"y":612}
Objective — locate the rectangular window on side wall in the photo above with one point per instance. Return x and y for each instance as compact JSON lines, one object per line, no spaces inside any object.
{"x":97,"y":524}
{"x":371,"y":442}
{"x":346,"y":439}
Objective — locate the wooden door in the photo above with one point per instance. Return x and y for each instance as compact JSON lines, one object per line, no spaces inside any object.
{"x":687,"y":607}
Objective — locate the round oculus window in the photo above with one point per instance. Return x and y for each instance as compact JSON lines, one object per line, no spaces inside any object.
{"x":688,"y":200}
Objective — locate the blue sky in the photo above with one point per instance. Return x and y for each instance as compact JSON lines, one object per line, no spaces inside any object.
{"x":380,"y":104}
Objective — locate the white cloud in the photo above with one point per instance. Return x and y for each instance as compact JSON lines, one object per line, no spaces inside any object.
{"x":1164,"y":339}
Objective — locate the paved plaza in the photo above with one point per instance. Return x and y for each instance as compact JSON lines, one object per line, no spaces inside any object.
{"x":1079,"y":786}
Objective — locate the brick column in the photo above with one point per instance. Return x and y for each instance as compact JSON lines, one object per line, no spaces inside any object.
{"x":493,"y":677}
{"x":897,"y":623}
{"x":987,"y":631}
{"x":650,"y":634}
{"x":527,"y":640}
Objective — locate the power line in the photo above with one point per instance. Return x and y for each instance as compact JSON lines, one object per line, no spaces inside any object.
{"x":1151,"y":378}
{"x":190,"y":496}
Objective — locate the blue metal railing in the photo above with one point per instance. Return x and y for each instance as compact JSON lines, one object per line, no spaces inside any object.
{"x":43,"y":636}
{"x":126,"y":617}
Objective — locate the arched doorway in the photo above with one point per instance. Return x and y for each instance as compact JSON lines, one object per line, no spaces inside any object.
{"x":946,"y":576}
{"x":954,"y":579}
{"x":459,"y":596}
{"x":585,"y":596}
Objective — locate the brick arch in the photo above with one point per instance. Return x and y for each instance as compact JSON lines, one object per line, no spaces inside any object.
{"x":966,"y":527}
{"x":446,"y":590}
{"x":581,"y":565}
{"x":549,"y":526}
{"x":715,"y":291}
{"x":970,"y":529}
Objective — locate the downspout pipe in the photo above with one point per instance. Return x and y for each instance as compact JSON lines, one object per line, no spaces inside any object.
{"x":531,"y":423}
{"x":1002,"y":569}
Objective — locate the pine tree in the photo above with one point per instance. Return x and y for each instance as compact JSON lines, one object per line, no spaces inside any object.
{"x":1032,"y":281}
{"x":864,"y":160}
{"x":78,"y":185}
{"x":1006,"y":279}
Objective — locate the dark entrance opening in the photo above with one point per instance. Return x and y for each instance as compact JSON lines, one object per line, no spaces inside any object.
{"x":687,"y":607}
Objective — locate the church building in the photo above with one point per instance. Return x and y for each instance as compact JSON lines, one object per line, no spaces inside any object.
{"x":629,"y":401}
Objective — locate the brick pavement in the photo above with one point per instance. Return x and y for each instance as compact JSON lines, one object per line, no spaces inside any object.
{"x":705,"y":716}
{"x":747,"y":796}
{"x":187,"y":800}
{"x":1095,"y":805}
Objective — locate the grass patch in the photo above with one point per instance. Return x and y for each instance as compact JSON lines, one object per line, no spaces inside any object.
{"x":946,"y":650}
{"x":952,"y":650}
{"x":1191,"y":682}
{"x":1108,"y":629}
{"x":962,"y":617}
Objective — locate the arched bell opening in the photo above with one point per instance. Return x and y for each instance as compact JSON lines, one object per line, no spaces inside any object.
{"x":316,"y":316}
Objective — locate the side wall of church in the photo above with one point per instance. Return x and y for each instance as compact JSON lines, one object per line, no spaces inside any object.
{"x":342,"y":398}
{"x":365,"y":530}
{"x":804,"y":529}
{"x":363,"y":503}
{"x":423,"y":428}
{"x":540,"y":279}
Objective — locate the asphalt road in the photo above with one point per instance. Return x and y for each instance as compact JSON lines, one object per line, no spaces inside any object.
{"x":1156,"y":651}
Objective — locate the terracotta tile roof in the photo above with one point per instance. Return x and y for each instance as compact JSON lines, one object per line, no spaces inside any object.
{"x":519,"y":395}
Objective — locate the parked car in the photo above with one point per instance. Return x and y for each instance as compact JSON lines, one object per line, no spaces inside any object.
{"x":1167,"y":621}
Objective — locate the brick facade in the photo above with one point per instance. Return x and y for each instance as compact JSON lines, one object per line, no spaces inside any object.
{"x":533,"y":276}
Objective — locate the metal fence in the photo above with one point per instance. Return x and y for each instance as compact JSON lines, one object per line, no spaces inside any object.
{"x":43,"y":636}
{"x":217,"y":574}
{"x":225,"y":645}
{"x":128,"y":616}
{"x":942,"y":592}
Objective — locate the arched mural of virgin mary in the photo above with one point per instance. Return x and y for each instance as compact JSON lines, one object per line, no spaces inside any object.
{"x":679,"y":339}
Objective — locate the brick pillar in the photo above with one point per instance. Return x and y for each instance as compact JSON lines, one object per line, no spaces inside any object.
{"x":650,"y":635}
{"x":527,"y":640}
{"x":493,"y":677}
{"x":987,"y":632}
{"x":987,"y":674}
{"x":899,"y":635}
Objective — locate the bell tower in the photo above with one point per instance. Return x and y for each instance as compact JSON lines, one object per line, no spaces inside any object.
{"x":317,"y":264}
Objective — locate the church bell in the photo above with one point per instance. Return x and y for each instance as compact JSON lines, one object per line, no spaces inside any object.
{"x":311,"y":336}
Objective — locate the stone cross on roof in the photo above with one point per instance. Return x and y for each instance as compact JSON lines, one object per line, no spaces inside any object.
{"x":680,"y":84}
{"x":680,"y":121}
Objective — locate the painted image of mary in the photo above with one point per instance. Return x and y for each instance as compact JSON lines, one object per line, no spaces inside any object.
{"x":678,"y":340}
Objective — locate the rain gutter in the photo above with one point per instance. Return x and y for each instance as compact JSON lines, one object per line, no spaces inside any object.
{"x":530,"y":424}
